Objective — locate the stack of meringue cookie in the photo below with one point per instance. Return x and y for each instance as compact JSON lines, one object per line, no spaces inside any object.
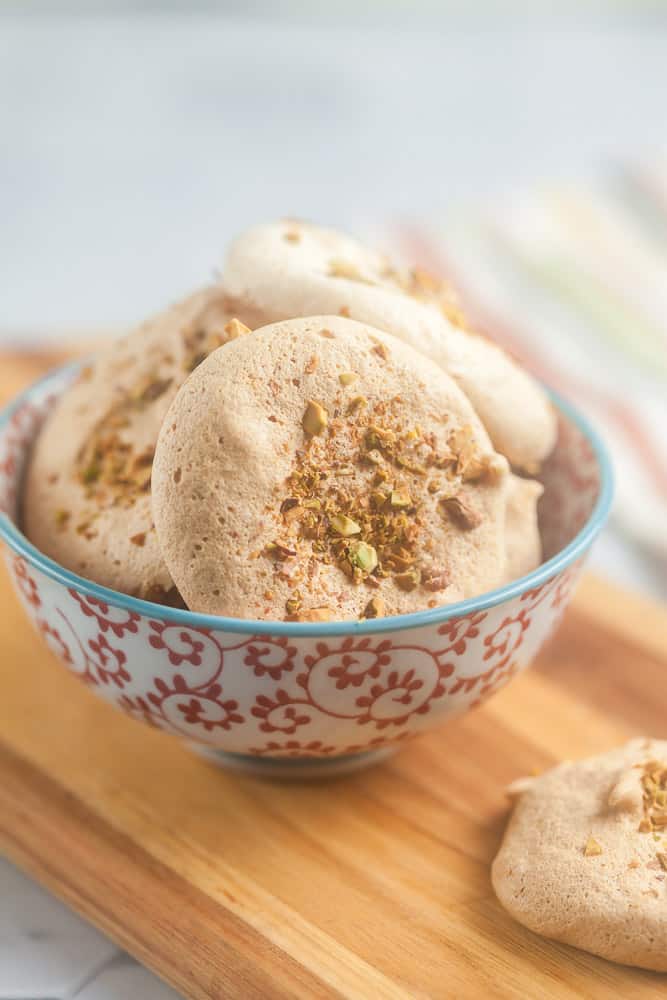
{"x":316,"y":437}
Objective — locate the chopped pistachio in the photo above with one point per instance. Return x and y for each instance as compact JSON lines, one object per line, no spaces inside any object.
{"x":235,"y":328}
{"x":400,"y":498}
{"x":312,"y":364}
{"x":462,"y":513}
{"x":344,"y":525}
{"x":378,"y":437}
{"x":339,"y":268}
{"x":592,"y":848}
{"x":363,"y":556}
{"x":315,"y":418}
{"x":662,"y":858}
{"x":288,"y":503}
{"x":139,"y":539}
{"x":374,"y":456}
{"x":381,"y":350}
{"x":407,"y":580}
{"x":347,"y":378}
{"x":276,"y":550}
{"x":292,"y":605}
{"x":357,"y":403}
{"x":62,"y":517}
{"x":91,"y":473}
{"x":435,"y":579}
{"x":313,"y":615}
{"x":375,"y":608}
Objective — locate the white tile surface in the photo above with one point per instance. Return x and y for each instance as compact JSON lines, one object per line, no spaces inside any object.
{"x":123,"y":979}
{"x":47,"y":952}
{"x":45,"y":949}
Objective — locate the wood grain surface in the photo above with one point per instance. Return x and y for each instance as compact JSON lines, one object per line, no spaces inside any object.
{"x":371,"y":886}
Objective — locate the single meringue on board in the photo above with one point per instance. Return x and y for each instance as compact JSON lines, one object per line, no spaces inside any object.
{"x":584,"y":857}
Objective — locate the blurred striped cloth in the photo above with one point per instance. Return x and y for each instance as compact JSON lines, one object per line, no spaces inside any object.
{"x":573,"y":281}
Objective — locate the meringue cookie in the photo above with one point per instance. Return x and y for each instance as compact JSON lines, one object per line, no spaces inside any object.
{"x":584,"y":858}
{"x":320,"y":469}
{"x":86,"y":500}
{"x":288,"y":269}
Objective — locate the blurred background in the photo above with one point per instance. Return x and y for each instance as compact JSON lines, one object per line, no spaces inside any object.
{"x":517,"y":148}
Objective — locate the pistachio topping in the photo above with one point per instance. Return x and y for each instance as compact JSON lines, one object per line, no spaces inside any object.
{"x":355,"y":498}
{"x":339,"y":268}
{"x":434,"y":579}
{"x":313,"y":615}
{"x":654,"y":788}
{"x":592,"y":848}
{"x":381,"y":350}
{"x":347,"y":378}
{"x":357,"y":403}
{"x":375,"y":608}
{"x":408,"y":580}
{"x":344,"y":525}
{"x":235,"y":328}
{"x":276,"y":550}
{"x":315,"y":418}
{"x":293,"y":605}
{"x":62,"y":518}
{"x":462,"y":513}
{"x":400,"y":498}
{"x":419,"y":284}
{"x":363,"y":556}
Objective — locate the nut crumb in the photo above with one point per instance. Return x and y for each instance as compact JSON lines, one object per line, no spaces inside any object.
{"x":375,"y":608}
{"x":315,"y":418}
{"x":139,"y":539}
{"x":461,"y":513}
{"x":407,"y":581}
{"x":434,"y":580}
{"x":235,"y":328}
{"x":592,"y":848}
{"x":381,"y":350}
{"x":312,"y":615}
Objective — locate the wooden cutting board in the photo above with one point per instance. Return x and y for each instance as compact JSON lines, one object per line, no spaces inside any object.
{"x":371,"y":886}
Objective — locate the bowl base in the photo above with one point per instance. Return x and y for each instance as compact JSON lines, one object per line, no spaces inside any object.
{"x":294,"y":768}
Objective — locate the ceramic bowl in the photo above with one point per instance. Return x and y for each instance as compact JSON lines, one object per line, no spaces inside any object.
{"x":292,"y":697}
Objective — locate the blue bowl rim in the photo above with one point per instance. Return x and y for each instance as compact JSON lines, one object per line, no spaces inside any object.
{"x":19,"y":544}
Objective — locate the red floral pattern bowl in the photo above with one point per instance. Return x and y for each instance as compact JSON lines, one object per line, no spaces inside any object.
{"x":293,"y":697}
